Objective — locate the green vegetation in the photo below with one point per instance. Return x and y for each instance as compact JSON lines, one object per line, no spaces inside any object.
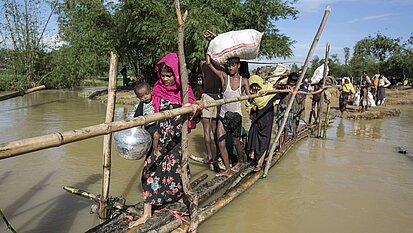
{"x":373,"y":54}
{"x":142,"y":31}
{"x":139,"y":31}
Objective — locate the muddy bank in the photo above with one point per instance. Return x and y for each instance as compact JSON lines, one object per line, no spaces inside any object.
{"x":395,"y":99}
{"x":393,"y":105}
{"x":124,"y":95}
{"x":372,"y":113}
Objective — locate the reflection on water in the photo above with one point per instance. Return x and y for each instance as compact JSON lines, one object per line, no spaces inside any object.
{"x":353,"y":181}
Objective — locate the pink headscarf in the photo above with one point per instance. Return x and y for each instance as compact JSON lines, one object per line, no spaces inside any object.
{"x":171,"y":93}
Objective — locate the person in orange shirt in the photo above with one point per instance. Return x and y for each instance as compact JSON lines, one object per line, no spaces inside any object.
{"x":374,"y":86}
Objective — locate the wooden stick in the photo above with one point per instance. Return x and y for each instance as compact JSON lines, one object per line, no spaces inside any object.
{"x":192,"y":197}
{"x":326,"y":121}
{"x":19,"y":93}
{"x":129,"y":209}
{"x":321,"y":103}
{"x":214,"y":206}
{"x":297,"y":86}
{"x":270,"y":62}
{"x":8,"y":225}
{"x":22,"y":146}
{"x":107,"y":139}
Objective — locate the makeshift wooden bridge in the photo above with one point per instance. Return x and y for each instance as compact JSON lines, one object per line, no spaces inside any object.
{"x":175,"y":216}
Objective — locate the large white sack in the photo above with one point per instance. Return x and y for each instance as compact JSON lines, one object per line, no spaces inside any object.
{"x":244,"y":44}
{"x":371,"y":102}
{"x":356,"y":100}
{"x":280,"y":72}
{"x":318,"y":74}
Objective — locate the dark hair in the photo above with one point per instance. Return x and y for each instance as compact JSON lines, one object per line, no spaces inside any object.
{"x":139,"y":86}
{"x":163,"y":66}
{"x":293,"y":76}
{"x":243,"y":70}
{"x":233,"y":60}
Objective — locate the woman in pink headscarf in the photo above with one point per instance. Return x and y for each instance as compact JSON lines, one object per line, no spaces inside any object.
{"x":161,"y":178}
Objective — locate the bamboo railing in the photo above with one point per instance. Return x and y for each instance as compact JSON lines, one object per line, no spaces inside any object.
{"x":321,"y":103}
{"x":297,"y":86}
{"x":23,"y":146}
{"x":15,"y":148}
{"x":21,"y":93}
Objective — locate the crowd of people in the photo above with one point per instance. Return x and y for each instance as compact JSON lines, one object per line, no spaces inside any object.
{"x":161,"y":178}
{"x":368,"y":91}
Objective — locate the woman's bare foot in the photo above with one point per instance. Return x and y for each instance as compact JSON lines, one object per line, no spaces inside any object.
{"x":237,"y":167}
{"x":225,"y":173}
{"x":138,"y":222}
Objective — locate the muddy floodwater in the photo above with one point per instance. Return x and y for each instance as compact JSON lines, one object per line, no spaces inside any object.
{"x":354,"y":181}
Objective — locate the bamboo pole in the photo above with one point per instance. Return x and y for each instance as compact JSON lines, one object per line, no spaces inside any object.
{"x":192,"y":197}
{"x":321,"y":103}
{"x":214,"y":206}
{"x":326,"y":121}
{"x":8,"y":225}
{"x":129,"y":209}
{"x":107,"y":139}
{"x":234,"y":192}
{"x":297,"y":86}
{"x":22,"y":146}
{"x":271,"y":62}
{"x":19,"y":93}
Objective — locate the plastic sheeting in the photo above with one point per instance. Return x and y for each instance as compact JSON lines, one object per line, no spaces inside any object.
{"x":133,"y":143}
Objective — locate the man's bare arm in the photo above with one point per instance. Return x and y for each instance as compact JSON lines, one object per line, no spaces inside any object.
{"x":215,"y":71}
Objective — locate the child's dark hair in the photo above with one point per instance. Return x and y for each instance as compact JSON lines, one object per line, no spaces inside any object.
{"x":293,"y":76}
{"x":139,"y":86}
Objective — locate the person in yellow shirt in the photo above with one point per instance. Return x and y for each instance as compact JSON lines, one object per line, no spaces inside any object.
{"x":261,"y":110}
{"x":347,"y":90}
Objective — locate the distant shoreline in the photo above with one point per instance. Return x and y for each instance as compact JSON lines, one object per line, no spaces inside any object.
{"x":395,"y":98}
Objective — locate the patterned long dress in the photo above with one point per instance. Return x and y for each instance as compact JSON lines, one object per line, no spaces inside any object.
{"x":161,"y":175}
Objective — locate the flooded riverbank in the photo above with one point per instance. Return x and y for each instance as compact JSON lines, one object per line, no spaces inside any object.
{"x":354,"y":181}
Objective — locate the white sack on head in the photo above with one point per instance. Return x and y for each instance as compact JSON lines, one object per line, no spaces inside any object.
{"x":244,"y":44}
{"x":280,"y":71}
{"x":318,"y":74}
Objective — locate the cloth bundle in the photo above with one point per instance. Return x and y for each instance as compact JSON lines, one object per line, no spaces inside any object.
{"x":244,"y":44}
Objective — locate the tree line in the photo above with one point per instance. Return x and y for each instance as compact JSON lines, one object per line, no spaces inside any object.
{"x":142,"y":31}
{"x":375,"y":54}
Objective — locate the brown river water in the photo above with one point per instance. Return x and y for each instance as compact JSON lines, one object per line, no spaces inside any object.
{"x":354,"y":181}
